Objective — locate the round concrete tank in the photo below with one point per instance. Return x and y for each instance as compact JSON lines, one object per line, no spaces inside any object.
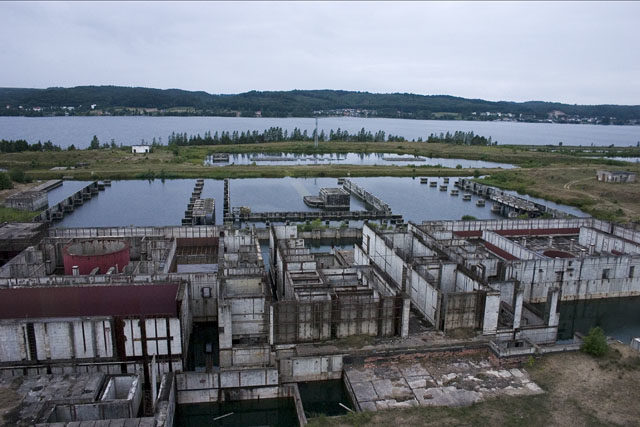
{"x":553,"y":253}
{"x":89,"y":254}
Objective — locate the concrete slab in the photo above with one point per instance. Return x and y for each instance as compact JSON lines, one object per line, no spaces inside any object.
{"x":432,"y":380}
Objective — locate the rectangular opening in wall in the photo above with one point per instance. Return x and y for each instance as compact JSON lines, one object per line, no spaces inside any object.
{"x":605,"y":273}
{"x":631,"y":271}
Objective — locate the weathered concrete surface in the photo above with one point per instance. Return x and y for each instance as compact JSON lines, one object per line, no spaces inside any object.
{"x":432,"y":380}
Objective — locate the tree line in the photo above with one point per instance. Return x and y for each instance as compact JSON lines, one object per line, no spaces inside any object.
{"x":277,"y":134}
{"x":20,"y":145}
{"x":460,"y":138}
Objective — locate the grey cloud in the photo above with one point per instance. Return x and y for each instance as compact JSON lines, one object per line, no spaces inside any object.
{"x":577,"y":52}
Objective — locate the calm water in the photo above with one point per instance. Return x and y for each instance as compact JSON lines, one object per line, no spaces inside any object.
{"x":263,"y":412}
{"x":65,"y":131}
{"x":323,"y":398}
{"x":139,"y":202}
{"x":381,"y":159}
{"x":618,"y":317}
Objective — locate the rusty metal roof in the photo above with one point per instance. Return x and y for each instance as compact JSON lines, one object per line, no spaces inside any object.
{"x":77,"y":301}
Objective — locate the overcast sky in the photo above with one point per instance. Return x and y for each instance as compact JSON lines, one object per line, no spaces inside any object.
{"x":572,"y":52}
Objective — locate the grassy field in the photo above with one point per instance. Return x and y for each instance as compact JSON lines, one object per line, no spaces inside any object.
{"x":14,"y":215}
{"x":579,"y":390}
{"x":575,"y":186}
{"x":191,"y":158}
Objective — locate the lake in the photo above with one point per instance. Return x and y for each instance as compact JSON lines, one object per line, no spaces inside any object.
{"x":157,"y":202}
{"x":78,"y":131}
{"x":380,"y":159}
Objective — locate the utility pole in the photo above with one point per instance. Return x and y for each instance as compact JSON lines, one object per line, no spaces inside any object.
{"x":315,"y":134}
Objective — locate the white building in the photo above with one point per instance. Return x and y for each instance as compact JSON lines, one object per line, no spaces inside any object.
{"x":140,"y":149}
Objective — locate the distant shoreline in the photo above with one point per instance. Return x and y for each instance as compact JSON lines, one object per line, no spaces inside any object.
{"x":312,"y":117}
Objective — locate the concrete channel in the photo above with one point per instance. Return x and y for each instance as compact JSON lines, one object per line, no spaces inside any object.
{"x":68,"y":205}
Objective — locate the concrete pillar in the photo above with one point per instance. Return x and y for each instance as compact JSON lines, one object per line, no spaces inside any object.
{"x":552,"y":304}
{"x":75,"y":270}
{"x":491,"y":313}
{"x":225,"y":327}
{"x":550,"y":241}
{"x":517,"y":308}
{"x":270,"y":325}
{"x":406,"y":306}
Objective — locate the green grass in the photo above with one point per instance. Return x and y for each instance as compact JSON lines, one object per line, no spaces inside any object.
{"x":15,"y":215}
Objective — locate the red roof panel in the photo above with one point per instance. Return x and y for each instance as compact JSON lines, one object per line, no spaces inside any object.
{"x":75,"y":301}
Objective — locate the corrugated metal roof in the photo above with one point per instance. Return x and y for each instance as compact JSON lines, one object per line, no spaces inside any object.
{"x":74,"y":301}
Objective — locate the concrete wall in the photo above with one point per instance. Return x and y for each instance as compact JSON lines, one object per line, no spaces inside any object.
{"x":113,"y":404}
{"x":27,"y":263}
{"x":162,"y":339}
{"x":515,"y":224}
{"x":578,"y":278}
{"x":57,"y":339}
{"x":537,"y":335}
{"x":311,"y":368}
{"x":165,"y":404}
{"x":248,"y":316}
{"x":602,"y":242}
{"x":461,"y":310}
{"x":255,"y":355}
{"x":195,"y":387}
{"x":508,"y":245}
{"x":465,"y":283}
{"x":425,"y":296}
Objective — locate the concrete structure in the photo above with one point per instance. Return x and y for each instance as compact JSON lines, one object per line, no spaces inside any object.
{"x":27,"y":201}
{"x":319,"y":297}
{"x":615,"y":176}
{"x":199,"y":211}
{"x":48,"y":329}
{"x":380,"y":382}
{"x":84,"y":256}
{"x":198,"y":304}
{"x":81,"y":399}
{"x":506,"y":204}
{"x":17,"y":236}
{"x":330,"y":199}
{"x":57,"y":212}
{"x":140,"y":149}
{"x":335,"y":203}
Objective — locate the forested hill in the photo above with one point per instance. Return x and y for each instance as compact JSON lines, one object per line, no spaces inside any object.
{"x":118,"y":100}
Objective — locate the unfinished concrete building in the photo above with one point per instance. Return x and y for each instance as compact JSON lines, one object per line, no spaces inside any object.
{"x":198,"y":311}
{"x":615,"y":176}
{"x":505,"y":278}
{"x":27,"y":200}
{"x":329,"y":199}
{"x":321,"y":297}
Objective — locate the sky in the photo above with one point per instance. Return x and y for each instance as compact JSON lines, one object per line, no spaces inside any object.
{"x":571,"y":52}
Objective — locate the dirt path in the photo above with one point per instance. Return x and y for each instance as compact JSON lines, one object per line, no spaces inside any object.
{"x":568,"y":185}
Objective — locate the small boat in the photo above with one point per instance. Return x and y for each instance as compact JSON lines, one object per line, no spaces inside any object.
{"x":424,"y":180}
{"x":446,"y":180}
{"x":433,"y":184}
{"x":466,"y":197}
{"x":454,"y":192}
{"x":495,"y":208}
{"x":443,"y":188}
{"x":480,"y":203}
